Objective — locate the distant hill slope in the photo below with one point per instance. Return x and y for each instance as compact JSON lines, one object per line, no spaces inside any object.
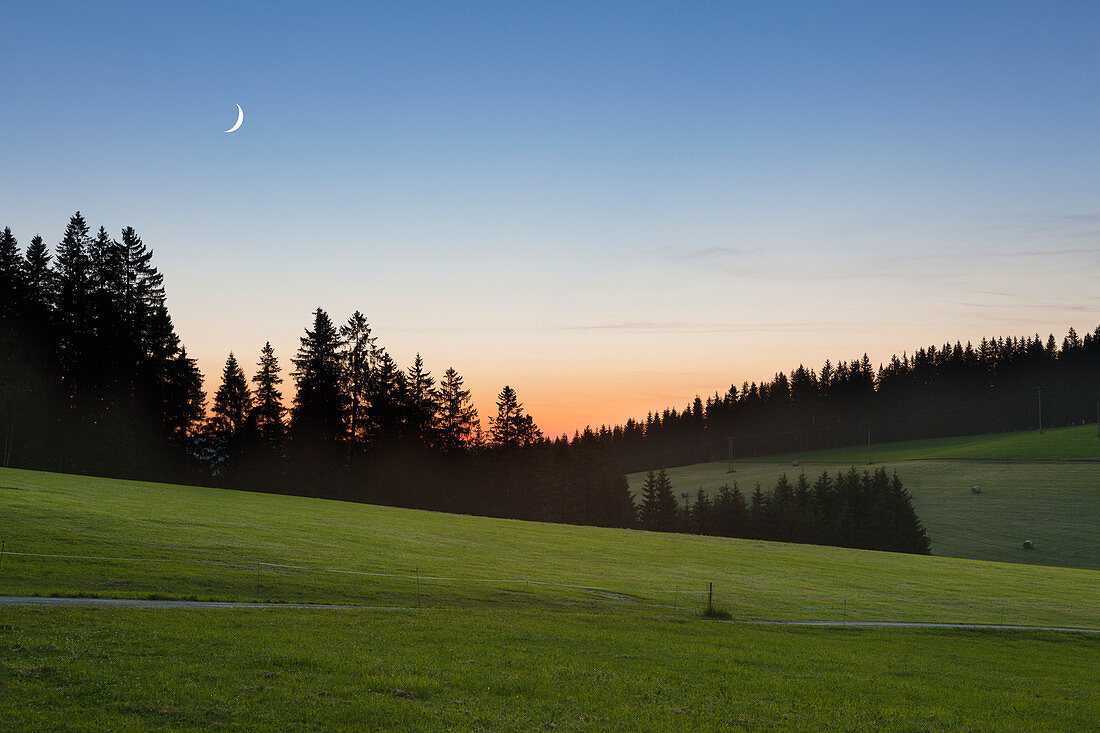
{"x":1077,"y":443}
{"x":1040,"y":487}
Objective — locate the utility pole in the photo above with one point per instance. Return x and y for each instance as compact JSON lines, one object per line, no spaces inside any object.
{"x":868,"y":444}
{"x":729,"y":468}
{"x":1040,"y":411}
{"x":1098,"y":418}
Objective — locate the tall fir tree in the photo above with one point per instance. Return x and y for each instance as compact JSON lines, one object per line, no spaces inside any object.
{"x":105,"y":361}
{"x":317,"y":415}
{"x":658,"y":509}
{"x":360,"y":356}
{"x":141,"y":294}
{"x":182,"y":401}
{"x":458,"y":421}
{"x":12,"y":276}
{"x":14,"y":376}
{"x":512,"y":426}
{"x":74,"y":295}
{"x":387,"y":413}
{"x":37,"y":273}
{"x":232,"y":402}
{"x":422,"y":405}
{"x":268,"y":410}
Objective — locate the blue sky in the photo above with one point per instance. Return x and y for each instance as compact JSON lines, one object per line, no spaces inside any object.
{"x":611,"y":207}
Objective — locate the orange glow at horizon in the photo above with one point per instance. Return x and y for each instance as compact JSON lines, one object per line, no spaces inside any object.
{"x":563,"y":399}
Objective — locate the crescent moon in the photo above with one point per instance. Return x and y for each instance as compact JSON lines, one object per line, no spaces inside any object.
{"x":240,"y":119}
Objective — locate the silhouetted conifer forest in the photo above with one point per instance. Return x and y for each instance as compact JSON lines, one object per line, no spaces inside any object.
{"x":1001,"y":385}
{"x":94,"y":379}
{"x":853,"y":509}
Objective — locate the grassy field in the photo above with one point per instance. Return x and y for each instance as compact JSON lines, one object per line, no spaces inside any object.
{"x":504,"y":625}
{"x":132,"y":539}
{"x":1053,"y":501}
{"x":525,"y":669}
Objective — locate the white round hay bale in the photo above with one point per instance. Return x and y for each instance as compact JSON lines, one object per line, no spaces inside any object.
{"x":975,"y":489}
{"x":1029,"y":545}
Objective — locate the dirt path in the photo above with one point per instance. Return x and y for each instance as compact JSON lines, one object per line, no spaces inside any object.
{"x":917,"y":625}
{"x":142,"y":603}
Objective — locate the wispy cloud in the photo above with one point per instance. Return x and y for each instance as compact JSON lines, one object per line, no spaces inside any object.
{"x":1048,"y":252}
{"x":1054,"y":228}
{"x":697,"y":326}
{"x":1032,"y":306}
{"x":702,"y":254}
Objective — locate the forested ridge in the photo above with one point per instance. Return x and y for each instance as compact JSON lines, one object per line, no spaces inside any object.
{"x":94,"y":379}
{"x":1000,"y":385}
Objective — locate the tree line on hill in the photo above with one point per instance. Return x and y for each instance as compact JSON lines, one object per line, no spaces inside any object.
{"x":1001,"y":385}
{"x":361,"y":428}
{"x":849,"y":509}
{"x":94,"y":379}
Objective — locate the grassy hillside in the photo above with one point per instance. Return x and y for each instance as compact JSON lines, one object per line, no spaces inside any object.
{"x":1054,"y":502}
{"x":131,"y":539}
{"x":1077,"y":443}
{"x":506,"y":625}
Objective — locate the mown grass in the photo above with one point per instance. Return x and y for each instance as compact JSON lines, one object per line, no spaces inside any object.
{"x":534,"y":626}
{"x":1055,"y":503}
{"x":190,"y":542}
{"x":525,"y":669}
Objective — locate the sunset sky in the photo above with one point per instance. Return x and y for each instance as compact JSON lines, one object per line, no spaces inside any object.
{"x":612,"y":208}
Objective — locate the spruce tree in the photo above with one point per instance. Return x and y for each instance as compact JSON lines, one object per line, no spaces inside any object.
{"x":37,"y":273}
{"x":183,"y":400}
{"x":232,"y":401}
{"x":109,"y":361}
{"x":12,"y":276}
{"x":422,"y":404}
{"x":106,"y":266}
{"x":317,"y":415}
{"x":758,"y":520}
{"x":74,"y":291}
{"x":658,"y":510}
{"x":359,"y":357}
{"x":667,"y":506}
{"x":512,"y":426}
{"x":268,"y":410}
{"x":14,"y":376}
{"x":143,"y":284}
{"x":73,"y":264}
{"x":386,"y":414}
{"x":648,"y":512}
{"x":728,"y":512}
{"x":701,"y":514}
{"x":458,"y":420}
{"x":141,"y":294}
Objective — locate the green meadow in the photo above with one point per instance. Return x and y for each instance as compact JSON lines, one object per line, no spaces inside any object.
{"x":1045,"y":488}
{"x":495,"y":624}
{"x":525,"y":669}
{"x":67,"y":535}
